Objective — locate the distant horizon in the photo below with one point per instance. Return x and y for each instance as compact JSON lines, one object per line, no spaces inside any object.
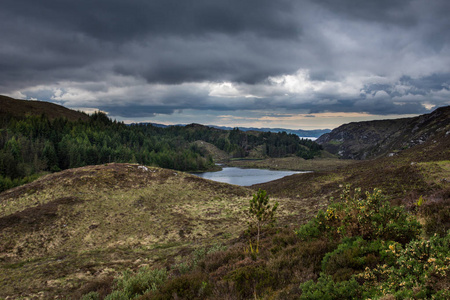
{"x":336,"y":121}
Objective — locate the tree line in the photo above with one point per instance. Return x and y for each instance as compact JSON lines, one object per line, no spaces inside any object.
{"x":31,"y":145}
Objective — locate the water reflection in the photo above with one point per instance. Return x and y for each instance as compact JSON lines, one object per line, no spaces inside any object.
{"x":246,"y":177}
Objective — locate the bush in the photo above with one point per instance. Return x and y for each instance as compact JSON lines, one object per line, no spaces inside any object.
{"x":352,"y":256}
{"x":251,"y":281}
{"x":91,"y":296}
{"x":370,"y":216}
{"x":327,"y":289}
{"x":131,"y":285}
{"x":419,"y":270}
{"x":188,"y":286}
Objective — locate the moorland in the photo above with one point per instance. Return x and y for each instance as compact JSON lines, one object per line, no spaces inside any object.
{"x":95,"y":209}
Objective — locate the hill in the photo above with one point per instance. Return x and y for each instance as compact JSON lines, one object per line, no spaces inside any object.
{"x":363,"y":140}
{"x":31,"y":145}
{"x":73,"y":227}
{"x":21,"y":108}
{"x":74,"y":231}
{"x":421,"y":170}
{"x":77,"y":231}
{"x":315,"y":133}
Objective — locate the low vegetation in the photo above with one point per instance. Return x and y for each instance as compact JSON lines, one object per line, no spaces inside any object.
{"x":348,"y":251}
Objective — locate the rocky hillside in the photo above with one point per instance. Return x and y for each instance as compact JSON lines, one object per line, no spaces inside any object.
{"x":363,"y":140}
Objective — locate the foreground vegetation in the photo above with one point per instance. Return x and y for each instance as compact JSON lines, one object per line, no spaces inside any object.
{"x":348,"y":251}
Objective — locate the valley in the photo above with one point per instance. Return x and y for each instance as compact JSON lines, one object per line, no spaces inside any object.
{"x":99,"y":230}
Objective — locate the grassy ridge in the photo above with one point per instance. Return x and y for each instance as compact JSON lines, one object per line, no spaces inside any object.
{"x":71,"y":227}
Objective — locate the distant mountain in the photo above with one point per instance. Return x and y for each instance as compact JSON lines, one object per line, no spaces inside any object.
{"x":19,"y":108}
{"x":300,"y":132}
{"x":370,"y":139}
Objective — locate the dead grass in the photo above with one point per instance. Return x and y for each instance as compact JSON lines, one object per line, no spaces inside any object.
{"x":72,"y":227}
{"x":292,"y":163}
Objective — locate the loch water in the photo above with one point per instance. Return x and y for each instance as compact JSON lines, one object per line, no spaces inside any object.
{"x":246,"y":177}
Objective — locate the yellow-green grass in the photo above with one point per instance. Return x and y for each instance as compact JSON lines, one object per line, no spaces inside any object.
{"x":72,"y":227}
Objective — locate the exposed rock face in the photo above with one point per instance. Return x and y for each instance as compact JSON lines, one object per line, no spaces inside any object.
{"x":363,"y":140}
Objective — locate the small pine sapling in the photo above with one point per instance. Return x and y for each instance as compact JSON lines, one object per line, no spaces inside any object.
{"x":261,"y":213}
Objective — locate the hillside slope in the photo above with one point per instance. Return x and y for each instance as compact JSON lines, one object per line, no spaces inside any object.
{"x":78,"y":225}
{"x":423,"y":170}
{"x":363,"y":140}
{"x":18,"y":108}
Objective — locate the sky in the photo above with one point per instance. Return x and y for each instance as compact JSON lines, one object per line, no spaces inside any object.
{"x":297,"y":64}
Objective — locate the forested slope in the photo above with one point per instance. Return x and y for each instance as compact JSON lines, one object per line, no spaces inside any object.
{"x":32,"y":143}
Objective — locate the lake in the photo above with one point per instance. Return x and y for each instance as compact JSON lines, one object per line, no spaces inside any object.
{"x":246,"y":177}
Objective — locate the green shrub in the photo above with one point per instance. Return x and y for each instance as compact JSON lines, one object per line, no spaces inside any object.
{"x":352,"y":256}
{"x":132,"y":285}
{"x":117,"y":295}
{"x":327,"y":289}
{"x":370,"y":216}
{"x":419,"y":271}
{"x":188,"y":286}
{"x":91,"y":296}
{"x":251,"y":281}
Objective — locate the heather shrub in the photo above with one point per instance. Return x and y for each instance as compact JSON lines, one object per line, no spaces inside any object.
{"x":252,"y":280}
{"x":326,"y":289}
{"x":132,"y":285}
{"x":197,"y":258}
{"x":436,"y":215}
{"x":188,"y":286}
{"x":96,"y":289}
{"x":91,"y":296}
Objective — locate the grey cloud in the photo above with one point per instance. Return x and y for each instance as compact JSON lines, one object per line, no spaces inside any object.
{"x":134,"y":111}
{"x":380,"y":11}
{"x":86,"y":43}
{"x":124,"y":20}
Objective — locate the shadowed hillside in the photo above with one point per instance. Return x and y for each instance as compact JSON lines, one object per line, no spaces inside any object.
{"x":405,"y":176}
{"x":17,"y":108}
{"x":361,"y":140}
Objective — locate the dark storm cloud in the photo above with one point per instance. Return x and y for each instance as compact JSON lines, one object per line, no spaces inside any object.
{"x":54,"y":35}
{"x":142,"y":57}
{"x":384,"y":11}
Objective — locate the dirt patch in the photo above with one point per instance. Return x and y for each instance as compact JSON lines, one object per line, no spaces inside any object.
{"x":36,"y":217}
